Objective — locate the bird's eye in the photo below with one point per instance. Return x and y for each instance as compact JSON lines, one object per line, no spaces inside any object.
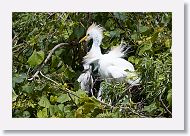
{"x":88,"y":34}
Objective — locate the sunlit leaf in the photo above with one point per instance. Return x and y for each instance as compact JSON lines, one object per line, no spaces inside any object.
{"x":36,"y":58}
{"x":44,"y":102}
{"x":63,"y":98}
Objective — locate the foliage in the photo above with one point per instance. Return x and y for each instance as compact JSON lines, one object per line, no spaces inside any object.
{"x":35,"y":34}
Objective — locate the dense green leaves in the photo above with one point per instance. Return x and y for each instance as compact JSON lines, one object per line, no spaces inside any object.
{"x":34,"y":36}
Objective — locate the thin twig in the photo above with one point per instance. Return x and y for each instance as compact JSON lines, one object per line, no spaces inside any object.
{"x":165,"y":107}
{"x":46,"y":60}
{"x":64,"y":89}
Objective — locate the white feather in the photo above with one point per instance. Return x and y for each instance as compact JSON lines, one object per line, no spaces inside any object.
{"x":86,"y":80}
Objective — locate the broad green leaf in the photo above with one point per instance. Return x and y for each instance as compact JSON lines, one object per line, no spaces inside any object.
{"x":131,"y":59}
{"x":120,"y":15}
{"x":63,"y":98}
{"x":36,"y":58}
{"x":42,"y":113}
{"x":116,"y":33}
{"x":78,"y":113}
{"x":145,"y":48}
{"x":151,"y":107}
{"x":137,"y":60}
{"x":26,"y":114}
{"x":81,"y":93}
{"x":88,"y":107}
{"x":53,"y":109}
{"x":19,"y":78}
{"x":143,"y":29}
{"x":134,"y":36}
{"x":27,"y":88}
{"x":79,"y":32}
{"x":44,"y":102}
{"x":61,"y":107}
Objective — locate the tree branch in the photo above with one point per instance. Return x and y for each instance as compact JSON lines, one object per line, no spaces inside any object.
{"x":46,"y":60}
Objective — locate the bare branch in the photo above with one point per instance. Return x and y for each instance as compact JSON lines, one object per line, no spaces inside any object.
{"x":46,"y":60}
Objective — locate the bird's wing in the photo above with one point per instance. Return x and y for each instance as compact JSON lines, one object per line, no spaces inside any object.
{"x":116,"y":72}
{"x":122,"y":64}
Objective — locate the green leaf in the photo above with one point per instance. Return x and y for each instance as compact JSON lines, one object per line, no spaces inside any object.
{"x":44,"y":102}
{"x":55,"y":61}
{"x":151,"y":107}
{"x":63,"y":98}
{"x":53,"y":99}
{"x":145,"y":48}
{"x":36,"y":58}
{"x":42,"y":113}
{"x":143,"y":29}
{"x":81,"y":93}
{"x":79,"y":32}
{"x":168,"y":43}
{"x":14,"y":96}
{"x":69,"y":72}
{"x":120,"y":15}
{"x":53,"y":109}
{"x":26,"y":114}
{"x":88,"y":107}
{"x":169,"y":98}
{"x":134,"y":36}
{"x":61,"y":107}
{"x":27,"y":88}
{"x":19,"y":78}
{"x":116,"y":33}
{"x":131,"y":59}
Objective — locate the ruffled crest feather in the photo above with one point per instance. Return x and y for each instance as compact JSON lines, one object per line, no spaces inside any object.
{"x":95,"y":27}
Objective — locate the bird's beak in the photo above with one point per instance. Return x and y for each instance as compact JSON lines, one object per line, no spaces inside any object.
{"x":83,"y":39}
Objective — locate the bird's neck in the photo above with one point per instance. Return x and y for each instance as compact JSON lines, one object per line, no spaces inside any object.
{"x":96,"y":46}
{"x":97,"y":41}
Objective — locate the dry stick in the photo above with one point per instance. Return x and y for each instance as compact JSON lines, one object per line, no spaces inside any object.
{"x":47,"y":58}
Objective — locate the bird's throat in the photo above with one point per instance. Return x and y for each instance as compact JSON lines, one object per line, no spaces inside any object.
{"x":96,"y":42}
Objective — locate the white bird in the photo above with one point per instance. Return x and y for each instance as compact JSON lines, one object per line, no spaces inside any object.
{"x":86,"y":79}
{"x":111,"y":66}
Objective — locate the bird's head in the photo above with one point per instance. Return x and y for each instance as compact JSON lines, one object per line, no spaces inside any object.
{"x":94,"y":32}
